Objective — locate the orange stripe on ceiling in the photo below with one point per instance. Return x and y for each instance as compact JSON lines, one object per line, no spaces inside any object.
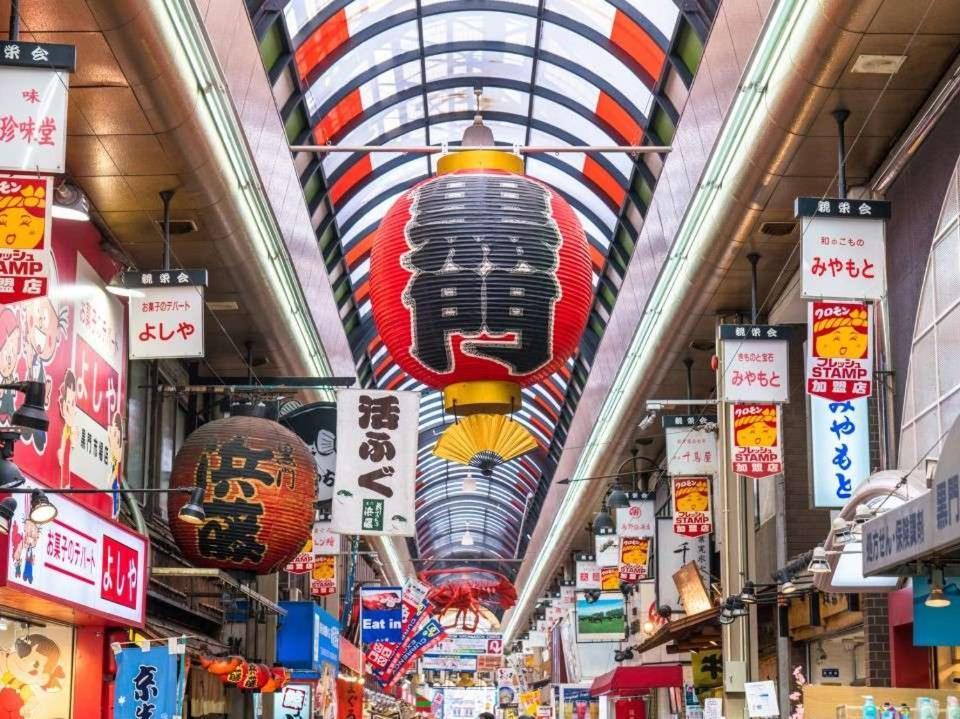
{"x":361,"y":247}
{"x":323,"y":41}
{"x":634,"y":40}
{"x":362,"y":292}
{"x":342,"y":113}
{"x":356,"y":172}
{"x":611,"y":112}
{"x":396,"y":381}
{"x":554,"y":390}
{"x":594,"y":171}
{"x":596,"y":257}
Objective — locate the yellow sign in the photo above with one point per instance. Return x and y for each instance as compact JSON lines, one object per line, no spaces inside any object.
{"x":707,"y":668}
{"x":529,"y":701}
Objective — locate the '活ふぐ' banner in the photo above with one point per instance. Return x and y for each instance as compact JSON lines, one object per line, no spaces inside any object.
{"x":756,"y":445}
{"x":376,"y":462}
{"x":691,"y":506}
{"x":839,"y":350}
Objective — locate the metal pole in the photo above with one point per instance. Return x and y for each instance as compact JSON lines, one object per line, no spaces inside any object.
{"x":753,"y":258}
{"x":521,"y":149}
{"x":688,"y":363}
{"x":167,"y":197}
{"x":841,"y":115}
{"x":14,"y":20}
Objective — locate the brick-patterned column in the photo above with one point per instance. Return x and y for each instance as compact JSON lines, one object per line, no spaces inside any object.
{"x":876,"y":630}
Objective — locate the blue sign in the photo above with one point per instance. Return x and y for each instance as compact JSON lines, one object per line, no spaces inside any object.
{"x":306,"y":637}
{"x":149,"y":683}
{"x":936,"y":626}
{"x":381,"y":615}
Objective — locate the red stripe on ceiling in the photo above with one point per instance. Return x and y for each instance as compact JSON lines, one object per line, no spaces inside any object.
{"x":597,"y":257}
{"x":323,"y":41}
{"x":634,"y":40}
{"x":611,"y":188}
{"x":382,"y":365}
{"x":553,"y":389}
{"x":357,"y":172}
{"x":361,"y":293}
{"x":545,"y":407}
{"x":547,"y":432}
{"x":611,"y":112}
{"x":374,"y":345}
{"x":339,"y":117}
{"x":396,"y":381}
{"x":355,"y":254}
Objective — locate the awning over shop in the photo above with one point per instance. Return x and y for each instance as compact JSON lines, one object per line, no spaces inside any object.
{"x":693,"y":632}
{"x":627,"y":681}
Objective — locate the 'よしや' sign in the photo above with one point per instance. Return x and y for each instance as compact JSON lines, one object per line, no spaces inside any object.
{"x":167,"y":320}
{"x":26,"y":258}
{"x":756,"y":440}
{"x":839,"y":352}
{"x":376,"y":462}
{"x":755,"y":363}
{"x":691,"y":506}
{"x":843,"y":247}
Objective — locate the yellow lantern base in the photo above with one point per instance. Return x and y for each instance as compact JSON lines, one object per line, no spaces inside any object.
{"x":480,"y":160}
{"x":463,"y":399}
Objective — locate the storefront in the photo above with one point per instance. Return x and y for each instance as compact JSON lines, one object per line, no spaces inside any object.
{"x":308,"y":643}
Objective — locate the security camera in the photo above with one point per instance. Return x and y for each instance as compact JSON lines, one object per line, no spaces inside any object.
{"x":647,"y":421}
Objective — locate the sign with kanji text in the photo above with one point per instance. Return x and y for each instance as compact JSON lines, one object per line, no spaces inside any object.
{"x":150,"y":682}
{"x":323,"y":575}
{"x":756,"y":447}
{"x":755,"y":363}
{"x":38,"y":55}
{"x":26,"y":258}
{"x":691,"y":443}
{"x":33,"y":118}
{"x":638,"y":519}
{"x":376,"y":462}
{"x":294,"y":701}
{"x":840,"y":449}
{"x":691,"y":506}
{"x":839,"y":350}
{"x":80,"y":559}
{"x":634,"y":558}
{"x":588,"y":572}
{"x":844,"y":249}
{"x":167,"y":320}
{"x":673,"y":551}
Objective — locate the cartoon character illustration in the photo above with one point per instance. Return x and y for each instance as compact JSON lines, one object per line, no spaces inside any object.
{"x":692,"y":499}
{"x":757,"y":430}
{"x":324,"y":451}
{"x":68,"y":410}
{"x":46,"y":326}
{"x":24,"y":545}
{"x":29,"y":669}
{"x":844,"y":337}
{"x":23,"y":216}
{"x":115,"y":446}
{"x":10,"y":349}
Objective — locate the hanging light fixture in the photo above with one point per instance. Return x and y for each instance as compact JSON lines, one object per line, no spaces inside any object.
{"x":726,"y":614}
{"x":937,"y":598}
{"x":748,"y":595}
{"x":117,"y":286}
{"x":469,"y":483}
{"x":70,"y":203}
{"x":788,"y":587}
{"x":842,"y":532}
{"x":818,"y":563}
{"x":602,"y":523}
{"x":7,"y":508}
{"x":42,"y":509}
{"x":467,"y":539}
{"x":192,"y":512}
{"x":617,"y":499}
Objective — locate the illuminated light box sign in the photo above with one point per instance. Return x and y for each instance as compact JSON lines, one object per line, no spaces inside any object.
{"x":755,"y":363}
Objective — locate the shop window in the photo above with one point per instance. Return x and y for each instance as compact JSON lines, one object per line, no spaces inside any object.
{"x":932,"y":392}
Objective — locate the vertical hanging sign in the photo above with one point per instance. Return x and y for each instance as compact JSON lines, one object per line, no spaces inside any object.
{"x":691,"y":445}
{"x":26,"y":253}
{"x":588,"y":572}
{"x":376,"y":462}
{"x":325,"y":546}
{"x":839,"y":351}
{"x":166,"y":315}
{"x":691,"y":506}
{"x":756,"y":446}
{"x":755,"y":363}
{"x":844,"y":249}
{"x":840,"y":442}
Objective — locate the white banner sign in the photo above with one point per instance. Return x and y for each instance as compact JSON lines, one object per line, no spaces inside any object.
{"x":840,"y":449}
{"x":33,"y":125}
{"x":473,"y":644}
{"x":637,"y":520}
{"x":376,"y":462}
{"x":844,"y":257}
{"x":80,"y":560}
{"x":607,"y":550}
{"x":167,"y":322}
{"x":755,"y":363}
{"x":672,"y":552}
{"x":588,"y":574}
{"x":690,"y":448}
{"x":448,"y":662}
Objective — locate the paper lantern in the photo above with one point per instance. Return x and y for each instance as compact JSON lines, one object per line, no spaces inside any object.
{"x":258,"y":482}
{"x":220,"y":666}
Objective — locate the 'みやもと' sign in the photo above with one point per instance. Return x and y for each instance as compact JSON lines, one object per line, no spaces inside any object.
{"x":755,"y":363}
{"x":840,"y":350}
{"x":756,"y":448}
{"x":376,"y":462}
{"x":840,"y":449}
{"x":166,"y":313}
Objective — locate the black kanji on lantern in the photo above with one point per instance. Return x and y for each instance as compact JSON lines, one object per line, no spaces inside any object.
{"x":484,"y":257}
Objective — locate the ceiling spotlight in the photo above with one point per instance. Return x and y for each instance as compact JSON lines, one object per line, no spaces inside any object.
{"x":738,"y":608}
{"x":467,"y":539}
{"x":192,"y":512}
{"x":937,"y":598}
{"x":726,"y":614}
{"x":469,"y":483}
{"x":617,"y":499}
{"x":42,"y":509}
{"x":117,"y":286}
{"x":7,"y":509}
{"x":69,"y":203}
{"x":819,"y":564}
{"x":842,"y":532}
{"x":10,"y":474}
{"x":603,"y":524}
{"x":748,"y":595}
{"x":648,"y":627}
{"x":647,"y":421}
{"x":788,"y":587}
{"x":864,"y":514}
{"x":32,"y":414}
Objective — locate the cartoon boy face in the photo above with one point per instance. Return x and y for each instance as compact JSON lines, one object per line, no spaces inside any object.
{"x":758,"y":434}
{"x":42,"y":328}
{"x":33,"y":660}
{"x":68,"y":404}
{"x":10,"y":353}
{"x":115,"y":439}
{"x":19,"y":229}
{"x":843,"y":342}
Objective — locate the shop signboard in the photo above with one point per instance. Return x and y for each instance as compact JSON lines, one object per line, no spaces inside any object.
{"x":79,"y":559}
{"x":603,"y":620}
{"x":380,"y":615}
{"x":33,"y":87}
{"x":755,"y":363}
{"x":839,"y":350}
{"x":349,"y":699}
{"x":413,"y":599}
{"x":634,"y":558}
{"x":610,"y":577}
{"x":568,"y":595}
{"x":899,"y":536}
{"x":316,"y":425}
{"x":325,"y":545}
{"x":376,"y":462}
{"x":673,"y":551}
{"x":844,"y":251}
{"x":49,"y":690}
{"x":489,"y":662}
{"x":26,"y":216}
{"x":638,"y":519}
{"x":588,"y":572}
{"x":150,"y":682}
{"x":470,"y":644}
{"x":294,"y":701}
{"x":691,"y":448}
{"x":756,"y":440}
{"x":691,"y":506}
{"x":448,"y":662}
{"x":166,"y":318}
{"x":607,"y":549}
{"x":839,"y":449}
{"x":307,"y":636}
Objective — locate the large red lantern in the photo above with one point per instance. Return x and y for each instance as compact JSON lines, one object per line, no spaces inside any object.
{"x":258,"y":481}
{"x":480,"y":282}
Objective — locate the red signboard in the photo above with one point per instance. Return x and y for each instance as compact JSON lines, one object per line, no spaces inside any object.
{"x":691,"y":506}
{"x":25,"y":258}
{"x":756,"y":440}
{"x":839,"y":351}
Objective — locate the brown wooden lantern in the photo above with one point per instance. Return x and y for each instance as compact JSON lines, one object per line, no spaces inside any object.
{"x":258,"y":481}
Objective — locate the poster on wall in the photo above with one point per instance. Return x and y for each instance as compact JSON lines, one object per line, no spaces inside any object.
{"x":756,"y":447}
{"x":844,"y":251}
{"x":691,"y":448}
{"x":376,"y":462}
{"x":48,"y":690}
{"x":691,"y":506}
{"x":73,"y":341}
{"x":755,"y":363}
{"x":839,"y":350}
{"x":316,"y":425}
{"x":603,"y":620}
{"x":840,"y":449}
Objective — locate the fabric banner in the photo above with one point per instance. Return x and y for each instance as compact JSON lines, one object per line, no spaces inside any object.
{"x":349,"y":699}
{"x":422,"y":640}
{"x":376,"y":462}
{"x":691,"y":506}
{"x":380,"y":615}
{"x":756,"y":446}
{"x":149,"y":683}
{"x":413,"y":599}
{"x":839,"y":350}
{"x":634,"y":558}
